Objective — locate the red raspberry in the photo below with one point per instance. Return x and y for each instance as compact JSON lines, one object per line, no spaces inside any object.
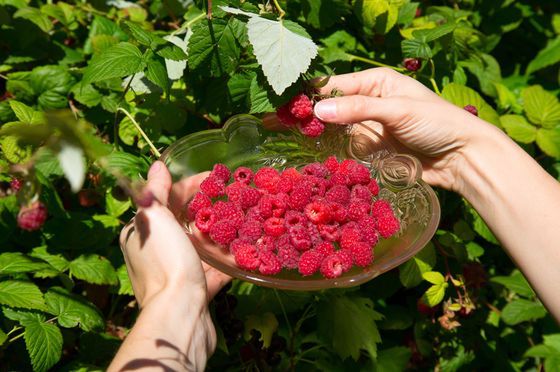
{"x":32,"y":217}
{"x":251,"y":230}
{"x":339,"y":178}
{"x":301,"y":106}
{"x":238,"y":243}
{"x":312,"y":127}
{"x":318,"y":213}
{"x":247,"y":257}
{"x":15,"y":184}
{"x":213,"y":187}
{"x":362,"y":253}
{"x":412,"y":64}
{"x":294,"y":218}
{"x":254,"y":213}
{"x":388,"y":226}
{"x":424,"y":308}
{"x":229,"y":211}
{"x":243,"y":175}
{"x":325,"y":248}
{"x":221,"y":171}
{"x":270,"y":264}
{"x":249,"y":197}
{"x":292,"y":174}
{"x":299,"y":237}
{"x":332,"y":266}
{"x":472,"y":109}
{"x":285,"y":185}
{"x":358,"y":209}
{"x":373,"y":187}
{"x":280,"y":204}
{"x":223,"y":232}
{"x":361,"y":192}
{"x":287,"y":254}
{"x":199,"y":201}
{"x":346,"y":165}
{"x":266,"y":178}
{"x":346,"y":258}
{"x":205,"y":218}
{"x":318,"y":185}
{"x":338,"y":194}
{"x":316,"y":169}
{"x":233,"y":191}
{"x":359,"y":174}
{"x":331,"y":163}
{"x":266,"y":243}
{"x":338,"y":212}
{"x":309,"y":262}
{"x":274,"y":226}
{"x":381,"y":207}
{"x":285,"y":116}
{"x":368,"y":229}
{"x":88,"y":198}
{"x":330,"y":231}
{"x":349,"y":235}
{"x":300,"y":196}
{"x":314,"y":234}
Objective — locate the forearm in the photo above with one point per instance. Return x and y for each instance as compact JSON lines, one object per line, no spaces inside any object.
{"x":520,"y":202}
{"x":172,"y":332}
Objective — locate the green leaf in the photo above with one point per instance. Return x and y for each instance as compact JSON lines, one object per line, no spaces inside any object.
{"x":518,"y":128}
{"x":549,"y":56}
{"x":266,"y":324}
{"x":394,"y":359}
{"x":14,"y":151}
{"x":25,"y":113}
{"x":323,"y":14}
{"x":507,"y":99}
{"x":157,"y":73}
{"x":410,"y":273}
{"x":19,"y":293}
{"x":116,"y":207}
{"x":24,"y":317}
{"x":433,"y":277}
{"x":543,"y":351}
{"x":72,"y":162}
{"x":55,"y":260}
{"x":480,"y":226}
{"x":44,"y":344}
{"x":258,"y":97}
{"x":3,"y":337}
{"x":17,"y":262}
{"x":428,"y":35}
{"x":522,"y":310}
{"x":73,"y":310}
{"x":118,"y":61}
{"x":175,"y":69}
{"x":52,"y":84}
{"x":348,"y":325}
{"x":552,"y":341}
{"x":34,"y":15}
{"x":487,"y":70}
{"x":87,"y":95}
{"x":125,"y":286}
{"x":515,"y":282}
{"x":416,"y":49}
{"x":93,"y":269}
{"x":172,"y":52}
{"x":549,"y":141}
{"x":139,"y":34}
{"x":434,"y":295}
{"x":380,"y":15}
{"x":461,"y":96}
{"x":542,"y":107}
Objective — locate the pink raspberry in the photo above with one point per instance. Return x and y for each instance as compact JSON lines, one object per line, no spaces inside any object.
{"x":346,"y":258}
{"x":301,"y":106}
{"x":274,"y":226}
{"x":266,"y":178}
{"x":234,"y":190}
{"x":299,"y":237}
{"x":15,"y":184}
{"x":223,"y":232}
{"x":314,"y":234}
{"x":338,"y":212}
{"x":280,"y":204}
{"x":388,"y":225}
{"x":358,"y":209}
{"x":300,"y":196}
{"x":338,"y":194}
{"x":199,"y":201}
{"x":285,"y":116}
{"x":331,"y":163}
{"x":381,"y":207}
{"x":412,"y":64}
{"x":339,"y":178}
{"x":359,"y":174}
{"x":292,"y":174}
{"x":32,"y":217}
{"x":349,"y":236}
{"x":316,"y":169}
{"x":221,"y":171}
{"x":249,"y":197}
{"x":266,"y":243}
{"x":243,"y":175}
{"x":229,"y":211}
{"x":238,"y":243}
{"x":325,"y":248}
{"x":254,"y":213}
{"x":294,"y":218}
{"x":251,"y":230}
{"x":318,"y":185}
{"x":309,"y":262}
{"x":213,"y":187}
{"x":270,"y":264}
{"x":312,"y":127}
{"x":361,"y":192}
{"x":287,"y":254}
{"x":205,"y":218}
{"x":334,"y":265}
{"x":330,"y":231}
{"x":373,"y":187}
{"x":247,"y":257}
{"x":285,"y":185}
{"x":472,"y":109}
{"x":362,"y":253}
{"x":368,"y":229}
{"x":318,"y":213}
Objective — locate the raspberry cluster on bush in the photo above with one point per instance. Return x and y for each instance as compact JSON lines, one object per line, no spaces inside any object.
{"x":299,"y":113}
{"x":323,"y":218}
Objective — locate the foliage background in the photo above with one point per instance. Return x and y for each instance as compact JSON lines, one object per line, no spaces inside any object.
{"x":64,"y":294}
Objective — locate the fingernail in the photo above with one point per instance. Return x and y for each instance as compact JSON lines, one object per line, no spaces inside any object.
{"x":326,"y":110}
{"x":155,"y":168}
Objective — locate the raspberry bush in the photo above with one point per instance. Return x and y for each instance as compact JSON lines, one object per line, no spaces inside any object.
{"x":91,"y":92}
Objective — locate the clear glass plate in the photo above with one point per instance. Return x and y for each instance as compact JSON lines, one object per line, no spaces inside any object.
{"x":243,"y":141}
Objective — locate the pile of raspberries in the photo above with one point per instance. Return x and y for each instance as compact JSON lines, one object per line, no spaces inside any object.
{"x":298,"y":113}
{"x":323,"y":218}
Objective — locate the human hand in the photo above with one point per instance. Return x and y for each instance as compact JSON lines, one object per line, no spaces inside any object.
{"x":410,"y":116}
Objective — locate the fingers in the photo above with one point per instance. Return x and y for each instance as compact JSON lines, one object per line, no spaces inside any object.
{"x":183,"y":191}
{"x":215,"y":280}
{"x":159,"y":182}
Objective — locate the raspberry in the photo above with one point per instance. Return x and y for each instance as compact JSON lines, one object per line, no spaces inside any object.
{"x":368,"y":229}
{"x":346,"y":259}
{"x":381,"y":207}
{"x":300,"y":196}
{"x":331,"y":163}
{"x":358,"y":209}
{"x":316,"y":169}
{"x":238,"y":243}
{"x":361,"y":253}
{"x":287,"y":254}
{"x":274,"y":226}
{"x":359,"y":174}
{"x":330,"y":231}
{"x":472,"y":109}
{"x":312,"y":127}
{"x":309,"y":262}
{"x":32,"y":217}
{"x":266,"y":243}
{"x":15,"y":184}
{"x":314,"y":234}
{"x":346,"y":165}
{"x":279,"y":204}
{"x":317,"y":185}
{"x":388,"y":226}
{"x":243,"y":175}
{"x":233,"y":191}
{"x":292,"y":174}
{"x":285,"y":116}
{"x":349,"y":235}
{"x":332,"y":266}
{"x":223,"y":232}
{"x":213,"y":187}
{"x":294,"y":218}
{"x":266,"y":178}
{"x":285,"y":185}
{"x":205,"y":218}
{"x":221,"y":171}
{"x":229,"y":211}
{"x":361,"y":192}
{"x":301,"y":106}
{"x":247,"y":257}
{"x":199,"y":201}
{"x":251,"y":230}
{"x":339,"y":178}
{"x":318,"y":212}
{"x":412,"y":64}
{"x":338,"y":212}
{"x":373,"y":187}
{"x":325,"y":248}
{"x":254,"y":213}
{"x":249,"y":197}
{"x":338,"y":194}
{"x":299,"y":237}
{"x":269,"y":263}
{"x":88,"y":198}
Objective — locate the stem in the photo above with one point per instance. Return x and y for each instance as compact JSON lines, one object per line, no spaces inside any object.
{"x":432,"y":77}
{"x":281,"y":11}
{"x":353,"y":57}
{"x":16,"y":328}
{"x":16,"y":338}
{"x":115,"y":125}
{"x":144,"y":135}
{"x":290,"y":330}
{"x":188,"y":24}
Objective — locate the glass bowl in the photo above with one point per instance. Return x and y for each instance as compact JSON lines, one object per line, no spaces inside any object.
{"x":244,"y":141}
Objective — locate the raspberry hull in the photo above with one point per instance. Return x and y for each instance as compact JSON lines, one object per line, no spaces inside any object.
{"x":324,"y":219}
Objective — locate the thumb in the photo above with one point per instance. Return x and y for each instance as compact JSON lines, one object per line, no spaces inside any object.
{"x":358,"y":108}
{"x":159,"y":182}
